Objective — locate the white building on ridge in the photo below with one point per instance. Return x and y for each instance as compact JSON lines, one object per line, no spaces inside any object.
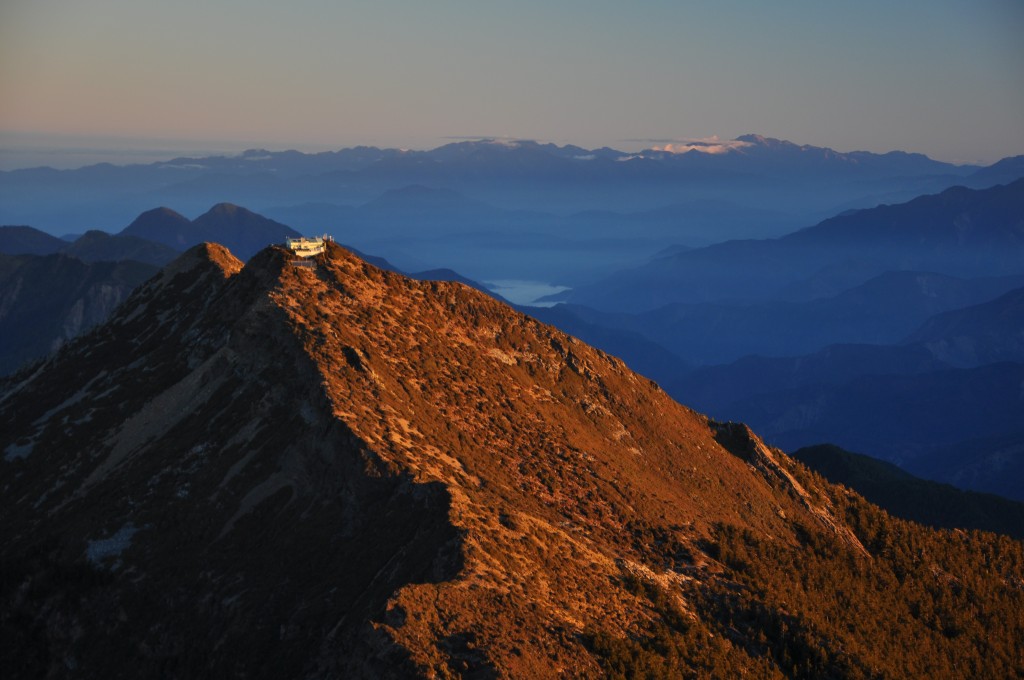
{"x":304,"y":246}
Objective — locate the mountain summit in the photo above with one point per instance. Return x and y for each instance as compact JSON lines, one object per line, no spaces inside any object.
{"x":268,"y":470}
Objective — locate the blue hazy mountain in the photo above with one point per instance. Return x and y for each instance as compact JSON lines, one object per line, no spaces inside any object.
{"x":97,"y":246}
{"x":946,"y":404}
{"x":520,"y":210}
{"x":92,"y":246}
{"x":718,"y":389}
{"x":419,"y":226}
{"x":23,"y":240}
{"x":959,"y":232}
{"x":970,"y":337}
{"x":163,"y":225}
{"x":1001,"y":172}
{"x":46,"y":300}
{"x":986,"y":333}
{"x":755,"y":172}
{"x":156,"y":236}
{"x":882,"y":310}
{"x":903,"y":418}
{"x":239,"y":229}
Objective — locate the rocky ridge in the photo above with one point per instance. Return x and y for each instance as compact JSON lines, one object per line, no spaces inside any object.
{"x":340,"y":472}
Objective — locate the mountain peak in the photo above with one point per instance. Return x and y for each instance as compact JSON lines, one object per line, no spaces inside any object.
{"x":755,"y":139}
{"x":157,"y":218}
{"x":204,"y":257}
{"x":333,"y":386}
{"x":342,"y":472}
{"x":228,"y":210}
{"x":778,"y":145}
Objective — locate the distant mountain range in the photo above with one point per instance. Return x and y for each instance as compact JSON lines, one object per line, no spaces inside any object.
{"x":499,"y":209}
{"x":897,"y":416}
{"x":29,"y":241}
{"x":92,"y":246}
{"x":762,"y":176}
{"x":96,"y":246}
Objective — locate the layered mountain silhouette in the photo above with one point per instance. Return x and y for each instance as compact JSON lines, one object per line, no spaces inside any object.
{"x":92,"y":246}
{"x":959,"y":232}
{"x":97,"y":246}
{"x":943,"y":402}
{"x":508,"y":209}
{"x":757,"y":178}
{"x":981,"y":334}
{"x":718,"y":389}
{"x":883,"y":310}
{"x":239,"y":229}
{"x":268,"y":471}
{"x":968,"y":337}
{"x":22,"y":240}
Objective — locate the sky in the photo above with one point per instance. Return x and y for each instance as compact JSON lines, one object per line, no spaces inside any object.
{"x":941,"y":77}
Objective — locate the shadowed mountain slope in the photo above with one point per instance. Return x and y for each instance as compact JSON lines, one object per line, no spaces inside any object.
{"x":47,"y":300}
{"x":97,"y":246}
{"x":901,"y":418}
{"x":991,"y":462}
{"x":92,"y":246}
{"x":337,"y":471}
{"x":981,"y":334}
{"x":913,"y":498}
{"x":28,"y":241}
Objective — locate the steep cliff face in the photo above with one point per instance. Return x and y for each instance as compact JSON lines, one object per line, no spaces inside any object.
{"x":336,"y":471}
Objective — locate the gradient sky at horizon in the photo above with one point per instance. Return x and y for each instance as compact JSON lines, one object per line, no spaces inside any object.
{"x":942,"y":77}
